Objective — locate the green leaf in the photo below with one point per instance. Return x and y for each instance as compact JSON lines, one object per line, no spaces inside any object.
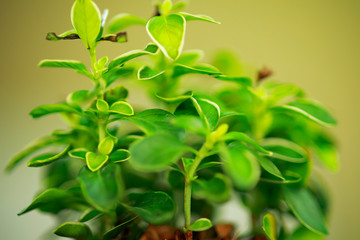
{"x":308,"y":109}
{"x":114,"y":232}
{"x":30,"y":149}
{"x":79,"y":153}
{"x":243,"y":81}
{"x":179,"y":5}
{"x":102,"y":189}
{"x":95,"y":161}
{"x":217,"y":189}
{"x":204,"y":69}
{"x":153,"y":207}
{"x":176,"y":99}
{"x":151,"y":49}
{"x":190,"y":57}
{"x":288,"y":177}
{"x":71,"y":64}
{"x":208,"y":111}
{"x":106,"y":146}
{"x":102,"y":105}
{"x":78,"y":97}
{"x":122,"y":107}
{"x":201,"y":224}
{"x":54,"y":108}
{"x":116,"y":73}
{"x":306,"y":208}
{"x":270,"y":167}
{"x":242,"y":137}
{"x":168,"y":33}
{"x":165,"y":7}
{"x":89,"y":214}
{"x":269,"y":226}
{"x":325,"y":149}
{"x":176,"y":179}
{"x":241,"y":165}
{"x":302,"y":233}
{"x":146,"y":73}
{"x":277,"y":92}
{"x":75,"y":230}
{"x":198,"y":17}
{"x":48,"y":197}
{"x":86,"y":19}
{"x":103,"y":20}
{"x":150,"y":153}
{"x":123,"y":21}
{"x":120,"y":155}
{"x":46,"y":159}
{"x":118,"y":93}
{"x":156,"y":120}
{"x":191,"y":124}
{"x":285,"y":150}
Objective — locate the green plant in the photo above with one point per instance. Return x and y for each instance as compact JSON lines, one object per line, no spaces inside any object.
{"x":120,"y":167}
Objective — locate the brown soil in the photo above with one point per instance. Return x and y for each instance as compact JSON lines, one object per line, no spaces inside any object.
{"x":218,"y":232}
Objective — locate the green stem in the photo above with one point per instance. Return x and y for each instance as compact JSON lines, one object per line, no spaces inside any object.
{"x":202,"y":153}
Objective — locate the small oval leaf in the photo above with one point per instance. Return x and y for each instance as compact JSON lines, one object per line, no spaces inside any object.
{"x":269,"y":226}
{"x":95,"y":161}
{"x":106,"y":146}
{"x":120,"y":155}
{"x":122,"y":107}
{"x":75,"y":230}
{"x":201,"y":224}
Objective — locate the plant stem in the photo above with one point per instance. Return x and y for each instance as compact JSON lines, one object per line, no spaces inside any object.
{"x":202,"y":153}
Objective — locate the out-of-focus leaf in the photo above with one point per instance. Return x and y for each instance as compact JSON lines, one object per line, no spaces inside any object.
{"x":177,"y":99}
{"x":241,"y":165}
{"x":153,"y":207}
{"x":123,"y":21}
{"x":106,"y":146}
{"x":180,"y":70}
{"x":198,"y":17}
{"x":30,"y":149}
{"x":54,"y":108}
{"x":89,"y":214}
{"x":120,"y":155}
{"x":102,"y":189}
{"x":285,"y":150}
{"x":270,"y":167}
{"x":46,"y":159}
{"x":114,"y":232}
{"x":217,"y":189}
{"x":146,"y":73}
{"x":49,"y":197}
{"x":269,"y":226}
{"x":190,"y":57}
{"x":75,"y":230}
{"x":306,"y":208}
{"x":302,"y":233}
{"x":242,"y":137}
{"x":149,"y":154}
{"x":118,"y":93}
{"x":309,"y":110}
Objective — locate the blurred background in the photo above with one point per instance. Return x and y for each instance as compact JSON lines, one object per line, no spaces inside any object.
{"x":314,"y":44}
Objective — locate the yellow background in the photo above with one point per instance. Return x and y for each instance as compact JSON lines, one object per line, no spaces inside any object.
{"x":312,"y":43}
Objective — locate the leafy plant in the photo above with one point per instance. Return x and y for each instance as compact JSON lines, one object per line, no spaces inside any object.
{"x":119,"y":167}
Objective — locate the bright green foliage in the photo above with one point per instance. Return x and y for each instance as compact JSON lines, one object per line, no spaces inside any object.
{"x":75,"y":230}
{"x":201,"y":225}
{"x":121,"y":165}
{"x":123,"y":21}
{"x":269,"y":226}
{"x":156,"y":152}
{"x":86,"y":19}
{"x":103,"y":189}
{"x":168,"y":32}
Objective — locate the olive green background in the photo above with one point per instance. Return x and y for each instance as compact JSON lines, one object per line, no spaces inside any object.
{"x":311,"y":43}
